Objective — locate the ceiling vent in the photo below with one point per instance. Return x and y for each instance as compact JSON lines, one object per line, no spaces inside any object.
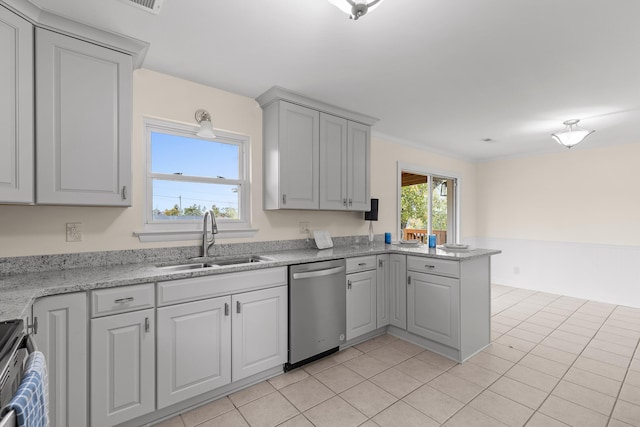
{"x":152,"y":6}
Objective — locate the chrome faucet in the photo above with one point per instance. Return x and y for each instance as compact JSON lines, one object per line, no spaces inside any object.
{"x":209,"y":218}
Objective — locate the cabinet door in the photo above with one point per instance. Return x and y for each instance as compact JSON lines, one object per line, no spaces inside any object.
{"x":84,"y":115}
{"x":62,"y":337}
{"x":333,"y":162}
{"x":398,"y":290}
{"x":382,"y":294}
{"x":122,"y":367}
{"x":193,"y":349}
{"x":434,"y":308}
{"x":16,"y":109}
{"x":299,"y":150}
{"x":259,"y":331}
{"x":358,"y":174}
{"x":361,"y":303}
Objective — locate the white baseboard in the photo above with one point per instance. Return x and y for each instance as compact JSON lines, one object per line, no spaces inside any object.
{"x":605,"y":273}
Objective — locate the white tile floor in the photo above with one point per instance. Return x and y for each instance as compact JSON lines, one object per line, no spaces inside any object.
{"x":554,"y":361}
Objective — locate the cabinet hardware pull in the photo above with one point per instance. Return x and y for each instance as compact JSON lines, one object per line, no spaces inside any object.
{"x":344,"y":202}
{"x":34,"y":326}
{"x":430,"y":267}
{"x":362,"y":264}
{"x":380,"y":263}
{"x":238,"y":307}
{"x":350,"y":202}
{"x":123,"y":300}
{"x":284,"y":199}
{"x":146,"y":324}
{"x":348,"y":284}
{"x":409,"y":280}
{"x":124,"y":192}
{"x":226,"y":309}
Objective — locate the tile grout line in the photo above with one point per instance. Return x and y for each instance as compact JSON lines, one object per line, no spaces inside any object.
{"x":623,"y":379}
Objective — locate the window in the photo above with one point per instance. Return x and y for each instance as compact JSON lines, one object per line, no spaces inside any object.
{"x":427,"y":205}
{"x":188,"y":175}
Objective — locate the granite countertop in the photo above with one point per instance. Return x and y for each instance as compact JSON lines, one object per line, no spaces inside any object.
{"x":18,"y":291}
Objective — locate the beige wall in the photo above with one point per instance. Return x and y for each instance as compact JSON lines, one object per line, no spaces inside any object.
{"x":581,"y":195}
{"x":35,"y":230}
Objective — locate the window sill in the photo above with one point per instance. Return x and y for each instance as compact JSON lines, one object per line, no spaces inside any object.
{"x":176,"y":235}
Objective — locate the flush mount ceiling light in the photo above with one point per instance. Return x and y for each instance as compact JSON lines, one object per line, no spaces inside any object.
{"x":206,"y":127}
{"x":355,"y":8}
{"x":571,"y":135}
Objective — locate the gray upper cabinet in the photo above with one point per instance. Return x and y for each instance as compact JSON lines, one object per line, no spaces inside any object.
{"x":333,"y":160}
{"x":316,"y":156}
{"x":83,"y":113}
{"x":65,"y":109}
{"x":291,"y":150}
{"x":16,"y":109}
{"x":358,"y":166}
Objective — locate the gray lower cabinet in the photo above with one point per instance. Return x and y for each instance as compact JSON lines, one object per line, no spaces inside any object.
{"x":122,"y":367}
{"x":62,"y":337}
{"x":398,"y":290}
{"x":193,"y":346}
{"x":362,"y":292}
{"x":361,"y":303}
{"x":448,"y":305}
{"x":203,"y":345}
{"x":16,"y":109}
{"x":83,"y":114}
{"x":259,"y":331}
{"x":382,"y":293}
{"x":433,"y":308}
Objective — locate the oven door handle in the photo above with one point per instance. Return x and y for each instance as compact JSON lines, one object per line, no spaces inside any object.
{"x":318,"y":273}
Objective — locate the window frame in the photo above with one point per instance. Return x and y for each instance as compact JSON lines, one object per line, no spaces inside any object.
{"x":430,"y":173}
{"x":192,"y":229}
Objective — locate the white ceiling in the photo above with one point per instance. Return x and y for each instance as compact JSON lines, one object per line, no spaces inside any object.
{"x":440,"y":73}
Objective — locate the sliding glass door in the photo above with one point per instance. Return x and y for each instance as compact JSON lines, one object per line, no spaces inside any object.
{"x":427,"y":206}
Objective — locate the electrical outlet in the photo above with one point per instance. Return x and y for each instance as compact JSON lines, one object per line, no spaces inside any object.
{"x":74,"y":232}
{"x":304,"y":227}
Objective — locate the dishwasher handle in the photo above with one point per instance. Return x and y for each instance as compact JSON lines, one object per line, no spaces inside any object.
{"x":317,"y":273}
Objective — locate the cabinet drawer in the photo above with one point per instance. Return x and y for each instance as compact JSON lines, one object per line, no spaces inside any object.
{"x":197,"y":288}
{"x":433,"y":266}
{"x":361,"y":263}
{"x":122,"y":299}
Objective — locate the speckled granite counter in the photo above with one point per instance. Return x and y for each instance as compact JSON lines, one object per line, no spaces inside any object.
{"x":18,"y":291}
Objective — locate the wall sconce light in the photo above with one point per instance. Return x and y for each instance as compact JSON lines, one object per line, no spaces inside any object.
{"x":355,"y":8}
{"x":571,"y":135}
{"x":206,"y":127}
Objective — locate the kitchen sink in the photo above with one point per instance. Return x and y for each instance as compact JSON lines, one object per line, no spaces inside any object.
{"x":249,"y":259}
{"x":181,"y":267}
{"x":243,"y":260}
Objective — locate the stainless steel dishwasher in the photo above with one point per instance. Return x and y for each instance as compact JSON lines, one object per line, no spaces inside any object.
{"x":317,"y":310}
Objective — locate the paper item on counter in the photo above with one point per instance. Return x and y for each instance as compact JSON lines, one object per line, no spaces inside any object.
{"x":323,"y":239}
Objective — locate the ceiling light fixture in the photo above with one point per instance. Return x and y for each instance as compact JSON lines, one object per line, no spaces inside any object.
{"x":571,"y":135}
{"x":206,"y":127}
{"x":355,"y":8}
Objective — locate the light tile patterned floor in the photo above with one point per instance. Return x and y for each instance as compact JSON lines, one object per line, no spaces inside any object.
{"x":554,"y":361}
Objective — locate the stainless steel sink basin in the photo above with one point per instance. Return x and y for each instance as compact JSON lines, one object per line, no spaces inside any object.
{"x":249,"y":259}
{"x":242,"y":260}
{"x":181,"y":267}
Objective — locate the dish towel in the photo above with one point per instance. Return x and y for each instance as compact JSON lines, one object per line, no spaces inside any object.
{"x":31,"y":403}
